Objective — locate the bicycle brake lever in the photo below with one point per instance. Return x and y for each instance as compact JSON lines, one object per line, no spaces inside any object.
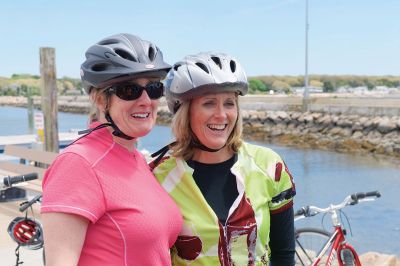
{"x":302,"y":211}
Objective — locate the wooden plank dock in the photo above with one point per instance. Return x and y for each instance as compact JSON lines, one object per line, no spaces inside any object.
{"x":30,"y":140}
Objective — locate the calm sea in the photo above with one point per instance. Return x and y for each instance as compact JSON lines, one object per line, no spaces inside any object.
{"x":321,"y":178}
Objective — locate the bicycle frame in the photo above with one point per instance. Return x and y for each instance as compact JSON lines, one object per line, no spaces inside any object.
{"x":337,"y":243}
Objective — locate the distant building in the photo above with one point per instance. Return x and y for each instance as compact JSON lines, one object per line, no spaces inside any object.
{"x":300,"y":90}
{"x":342,"y":89}
{"x":359,"y":90}
{"x":382,"y":89}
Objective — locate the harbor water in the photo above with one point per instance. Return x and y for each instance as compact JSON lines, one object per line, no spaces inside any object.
{"x":321,"y":178}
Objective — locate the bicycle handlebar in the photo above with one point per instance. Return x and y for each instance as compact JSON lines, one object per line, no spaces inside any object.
{"x":308,"y":211}
{"x":25,"y":205}
{"x":302,"y":211}
{"x":12,"y":180}
{"x":361,"y":195}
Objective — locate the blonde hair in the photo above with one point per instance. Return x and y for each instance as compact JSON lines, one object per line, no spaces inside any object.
{"x":184,"y":135}
{"x":98,"y":97}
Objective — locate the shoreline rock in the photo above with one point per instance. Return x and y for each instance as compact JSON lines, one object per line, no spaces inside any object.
{"x":375,"y":259}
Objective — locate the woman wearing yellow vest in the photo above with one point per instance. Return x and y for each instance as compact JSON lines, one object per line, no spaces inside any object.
{"x":236,"y":198}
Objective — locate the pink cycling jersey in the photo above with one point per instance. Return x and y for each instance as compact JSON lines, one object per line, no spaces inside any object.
{"x":133,"y":220}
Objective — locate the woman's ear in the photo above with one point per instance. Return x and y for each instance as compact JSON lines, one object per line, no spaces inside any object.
{"x":100,"y":99}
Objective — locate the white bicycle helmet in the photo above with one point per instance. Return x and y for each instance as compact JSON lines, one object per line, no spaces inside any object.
{"x":26,"y":232}
{"x":119,"y":58}
{"x":203,"y":73}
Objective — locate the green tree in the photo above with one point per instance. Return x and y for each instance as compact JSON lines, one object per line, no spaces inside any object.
{"x":370,"y":85}
{"x":24,"y":76}
{"x":355,"y":83}
{"x":328,"y":86}
{"x":281,"y":86}
{"x":316,"y":83}
{"x":34,"y":90}
{"x":8,"y":92}
{"x":23,"y":90}
{"x":257,"y":85}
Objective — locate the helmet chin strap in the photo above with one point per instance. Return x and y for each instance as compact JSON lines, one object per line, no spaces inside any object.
{"x":117,"y":132}
{"x":197,"y":144}
{"x":202,"y":147}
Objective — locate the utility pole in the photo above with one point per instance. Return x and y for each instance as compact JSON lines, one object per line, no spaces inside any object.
{"x":306,"y":94}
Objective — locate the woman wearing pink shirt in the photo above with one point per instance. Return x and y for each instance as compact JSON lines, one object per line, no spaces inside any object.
{"x":101,"y":204}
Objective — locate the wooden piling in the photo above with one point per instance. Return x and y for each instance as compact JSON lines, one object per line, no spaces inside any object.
{"x":49,"y":98}
{"x":30,"y":110}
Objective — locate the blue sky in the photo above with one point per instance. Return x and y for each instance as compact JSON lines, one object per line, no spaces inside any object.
{"x":360,"y":37}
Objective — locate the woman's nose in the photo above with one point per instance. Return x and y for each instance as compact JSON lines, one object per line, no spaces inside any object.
{"x":220,"y":111}
{"x":144,"y":98}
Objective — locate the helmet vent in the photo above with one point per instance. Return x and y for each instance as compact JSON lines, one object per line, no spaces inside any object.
{"x":203,"y":67}
{"x":152,"y":53}
{"x":176,"y":66}
{"x":233,"y":65}
{"x":217,"y":61}
{"x":99,"y":67}
{"x":125,"y":55}
{"x":108,"y":42}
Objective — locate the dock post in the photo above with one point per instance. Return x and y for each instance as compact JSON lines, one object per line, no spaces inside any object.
{"x":49,"y":98}
{"x":30,"y":109}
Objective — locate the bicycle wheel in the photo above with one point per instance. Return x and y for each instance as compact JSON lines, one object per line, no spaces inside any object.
{"x":309,"y":242}
{"x":347,"y":257}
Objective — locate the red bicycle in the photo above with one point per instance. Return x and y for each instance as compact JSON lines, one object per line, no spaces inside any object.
{"x":315,"y":246}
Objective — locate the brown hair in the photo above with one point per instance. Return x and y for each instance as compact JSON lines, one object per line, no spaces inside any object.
{"x":184,"y":135}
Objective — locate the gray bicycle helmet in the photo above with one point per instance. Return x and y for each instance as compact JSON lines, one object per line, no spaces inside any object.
{"x":119,"y":58}
{"x":203,"y":73}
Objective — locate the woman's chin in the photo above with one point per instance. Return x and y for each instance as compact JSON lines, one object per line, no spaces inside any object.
{"x":215,"y":145}
{"x":143,"y":133}
{"x":140,"y":132}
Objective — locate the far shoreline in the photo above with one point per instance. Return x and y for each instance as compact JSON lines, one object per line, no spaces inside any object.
{"x":277,"y":120}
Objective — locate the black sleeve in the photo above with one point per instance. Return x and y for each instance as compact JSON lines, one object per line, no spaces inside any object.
{"x":282,"y":241}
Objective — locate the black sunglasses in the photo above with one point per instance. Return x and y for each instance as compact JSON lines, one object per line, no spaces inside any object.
{"x":132,"y":91}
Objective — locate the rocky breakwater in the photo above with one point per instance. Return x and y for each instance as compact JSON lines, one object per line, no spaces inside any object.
{"x":341,"y":132}
{"x":377,"y":259}
{"x":378,"y":135}
{"x":70,"y":104}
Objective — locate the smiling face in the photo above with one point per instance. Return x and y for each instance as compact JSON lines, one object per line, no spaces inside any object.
{"x":137,"y":117}
{"x":213,"y":117}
